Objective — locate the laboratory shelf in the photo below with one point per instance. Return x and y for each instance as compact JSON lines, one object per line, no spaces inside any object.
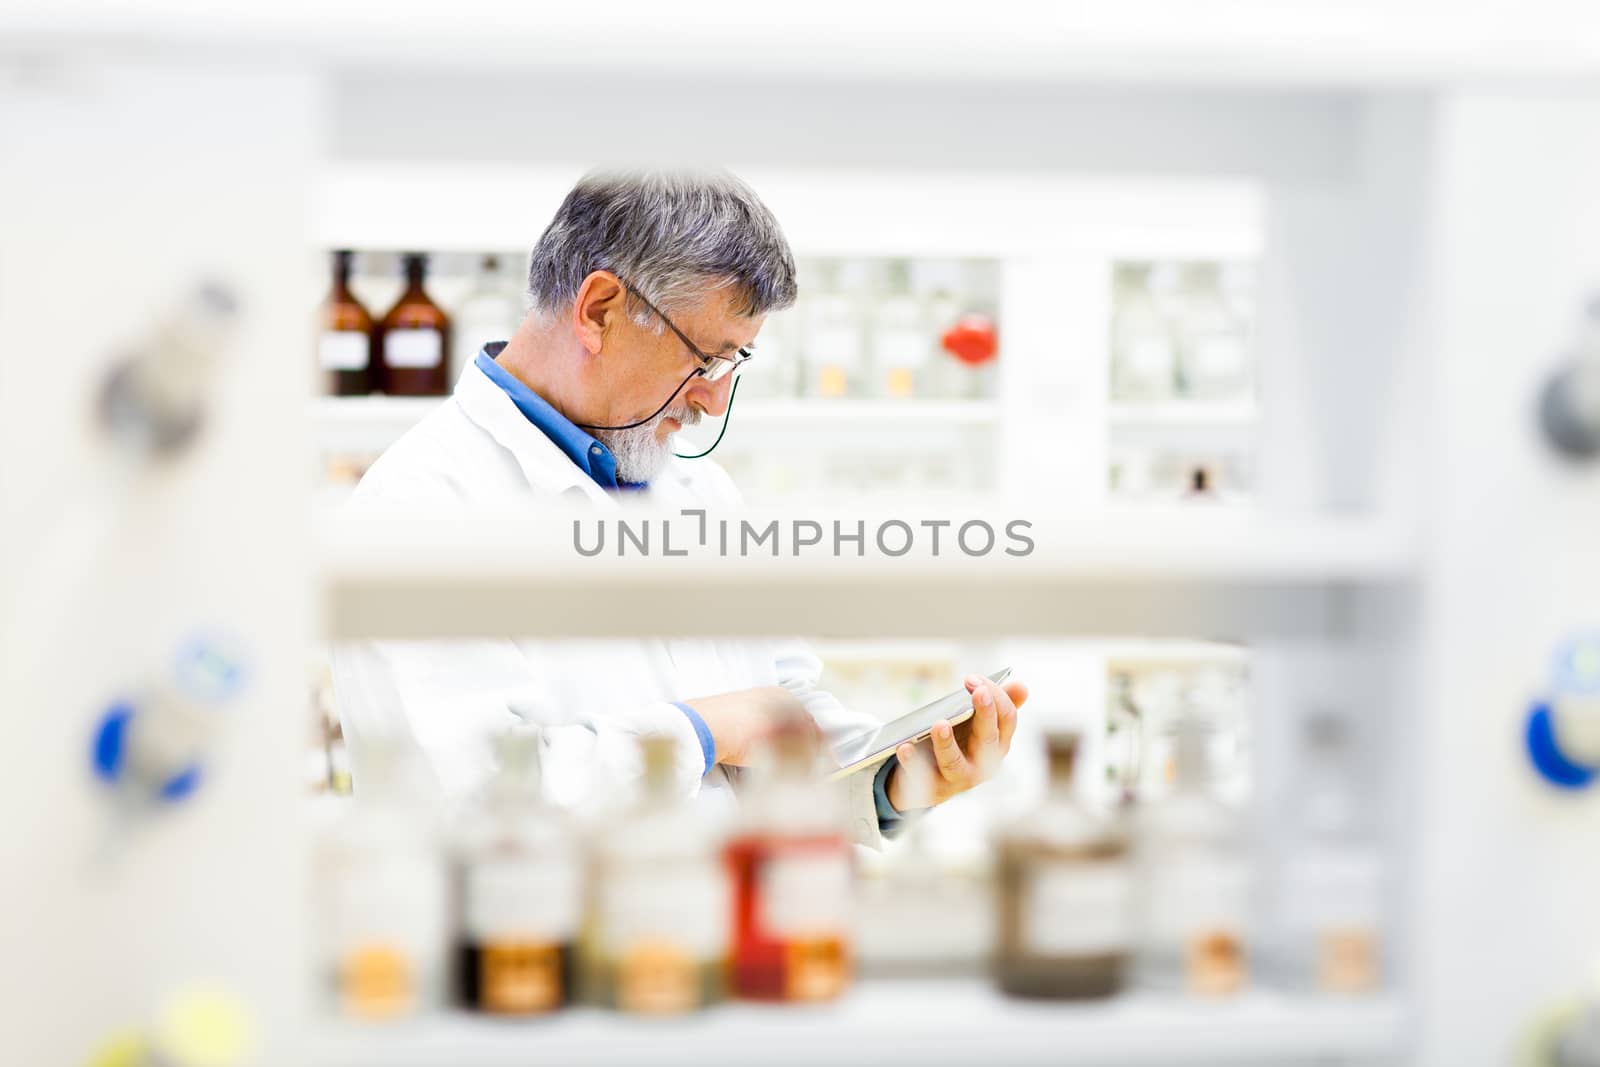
{"x":956,"y":1021}
{"x":357,"y":424}
{"x":809,"y":413}
{"x":369,"y":424}
{"x":404,"y":574}
{"x":1184,"y":415}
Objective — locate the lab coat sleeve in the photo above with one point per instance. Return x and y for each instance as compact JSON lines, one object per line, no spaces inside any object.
{"x":448,"y":700}
{"x":800,"y":672}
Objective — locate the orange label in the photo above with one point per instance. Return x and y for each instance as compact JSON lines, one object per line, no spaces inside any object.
{"x":832,"y":381}
{"x":815,"y":969}
{"x":1348,"y":963}
{"x":520,"y":979}
{"x":375,"y":983}
{"x":900,"y":382}
{"x":1215,"y":964}
{"x":658,"y":978}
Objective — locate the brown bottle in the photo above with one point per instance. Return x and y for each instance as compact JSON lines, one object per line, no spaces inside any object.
{"x":413,"y":339}
{"x":344,"y":344}
{"x":1064,"y":894}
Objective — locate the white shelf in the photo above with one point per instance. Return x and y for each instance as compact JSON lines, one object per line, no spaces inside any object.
{"x":868,"y":412}
{"x":362,"y":424}
{"x":404,"y":574}
{"x":1184,"y":415}
{"x":1319,"y":43}
{"x":961,"y":1022}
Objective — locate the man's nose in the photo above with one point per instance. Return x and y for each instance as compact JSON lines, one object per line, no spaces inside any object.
{"x":711,"y":397}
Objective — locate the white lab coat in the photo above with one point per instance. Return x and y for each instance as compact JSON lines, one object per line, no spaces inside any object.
{"x":450,"y":698}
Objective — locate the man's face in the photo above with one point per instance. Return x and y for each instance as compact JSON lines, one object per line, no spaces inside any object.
{"x":647,"y":367}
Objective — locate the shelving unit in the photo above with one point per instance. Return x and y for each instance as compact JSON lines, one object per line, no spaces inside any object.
{"x":410,"y":574}
{"x":958,"y":1022}
{"x":373,"y":423}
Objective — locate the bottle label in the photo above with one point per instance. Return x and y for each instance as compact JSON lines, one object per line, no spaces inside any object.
{"x":1347,"y":961}
{"x":1219,"y":357}
{"x":686,"y":907}
{"x":1214,"y":963}
{"x":386,"y":933}
{"x":520,"y":978}
{"x":1148,"y":360}
{"x":657,"y":977}
{"x":815,"y":968}
{"x":1332,"y":888}
{"x":413,"y":348}
{"x":343,"y":350}
{"x":522,"y":899}
{"x":806,"y":894}
{"x":839,"y":346}
{"x":905,"y":349}
{"x":1196,"y":896}
{"x":1078,"y":909}
{"x":376,"y":982}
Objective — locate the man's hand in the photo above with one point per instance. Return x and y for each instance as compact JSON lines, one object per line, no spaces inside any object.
{"x":955,"y":759}
{"x":739,"y":721}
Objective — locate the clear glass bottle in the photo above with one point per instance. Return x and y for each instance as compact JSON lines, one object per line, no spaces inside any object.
{"x":520,"y":888}
{"x":1214,"y":361}
{"x":1329,"y":899}
{"x":835,"y":348}
{"x":1065,"y":888}
{"x":1143,"y":343}
{"x":1193,"y":879}
{"x":344,"y":345}
{"x":414,"y":339}
{"x":792,"y":880}
{"x":901,"y":346}
{"x":383,"y":892}
{"x":490,"y":311}
{"x":657,"y":942}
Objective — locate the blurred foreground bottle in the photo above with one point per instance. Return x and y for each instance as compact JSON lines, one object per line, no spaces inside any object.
{"x":1064,"y":893}
{"x":413,"y":339}
{"x":344,"y":347}
{"x":658,"y":937}
{"x":382,"y":885}
{"x":1193,"y":879}
{"x":792,"y":880}
{"x":520,"y":891}
{"x":1331,"y":882}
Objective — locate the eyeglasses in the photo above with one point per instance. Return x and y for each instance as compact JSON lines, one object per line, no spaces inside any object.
{"x":712,"y":368}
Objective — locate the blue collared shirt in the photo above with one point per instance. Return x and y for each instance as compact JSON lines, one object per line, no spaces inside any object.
{"x":596,"y":460}
{"x":591,"y":457}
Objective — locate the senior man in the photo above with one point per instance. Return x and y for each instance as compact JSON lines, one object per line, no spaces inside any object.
{"x":647,"y":291}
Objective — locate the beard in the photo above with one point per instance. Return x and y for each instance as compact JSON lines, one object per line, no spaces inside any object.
{"x":639,"y":455}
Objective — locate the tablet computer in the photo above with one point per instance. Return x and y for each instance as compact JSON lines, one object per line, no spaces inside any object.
{"x":873,"y":746}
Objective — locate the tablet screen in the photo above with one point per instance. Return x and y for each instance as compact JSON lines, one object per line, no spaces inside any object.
{"x":890,"y":735}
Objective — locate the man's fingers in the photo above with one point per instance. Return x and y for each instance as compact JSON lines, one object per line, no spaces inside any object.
{"x":948,"y":755}
{"x":1018,"y":692}
{"x":1016,"y":695}
{"x":985,"y":719}
{"x":914,"y":779}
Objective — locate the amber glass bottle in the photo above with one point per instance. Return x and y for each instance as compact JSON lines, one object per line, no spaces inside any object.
{"x":344,"y":342}
{"x":1064,"y":894}
{"x":413,"y":339}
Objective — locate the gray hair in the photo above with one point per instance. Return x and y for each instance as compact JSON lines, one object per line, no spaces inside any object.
{"x":670,"y":235}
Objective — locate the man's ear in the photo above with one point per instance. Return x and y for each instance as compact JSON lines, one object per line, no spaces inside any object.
{"x":599,"y":304}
